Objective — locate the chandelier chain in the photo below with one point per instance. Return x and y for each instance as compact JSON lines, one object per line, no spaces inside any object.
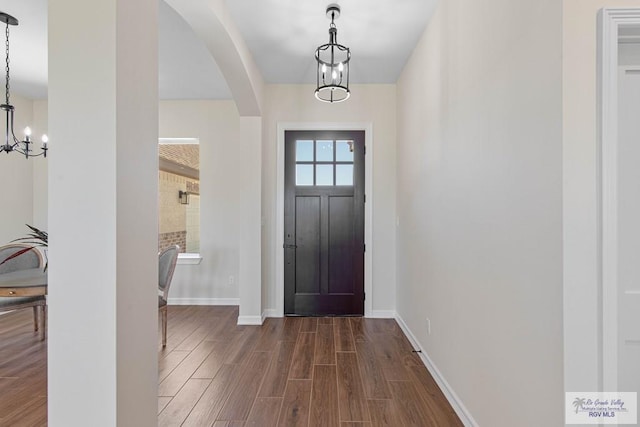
{"x":7,"y":66}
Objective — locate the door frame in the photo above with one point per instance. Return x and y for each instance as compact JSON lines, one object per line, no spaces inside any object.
{"x":610,"y":21}
{"x":367,"y":127}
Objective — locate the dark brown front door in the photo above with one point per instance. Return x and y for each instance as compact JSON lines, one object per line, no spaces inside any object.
{"x":324,"y":223}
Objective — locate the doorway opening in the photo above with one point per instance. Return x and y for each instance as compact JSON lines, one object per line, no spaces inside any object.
{"x":324,"y":223}
{"x":276,"y":293}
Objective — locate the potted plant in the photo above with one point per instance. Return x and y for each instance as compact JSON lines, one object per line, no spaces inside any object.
{"x":37,"y":238}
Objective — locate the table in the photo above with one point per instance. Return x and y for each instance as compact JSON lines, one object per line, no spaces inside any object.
{"x":26,"y":283}
{"x":23,"y":283}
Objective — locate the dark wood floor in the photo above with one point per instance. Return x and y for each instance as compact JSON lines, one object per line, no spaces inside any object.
{"x":23,"y":371}
{"x":289,"y":372}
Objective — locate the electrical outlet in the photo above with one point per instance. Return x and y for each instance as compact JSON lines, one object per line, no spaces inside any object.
{"x":232,"y":280}
{"x":428,"y":326}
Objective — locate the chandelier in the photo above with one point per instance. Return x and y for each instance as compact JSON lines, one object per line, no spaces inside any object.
{"x":332,"y":76}
{"x":11,"y":142}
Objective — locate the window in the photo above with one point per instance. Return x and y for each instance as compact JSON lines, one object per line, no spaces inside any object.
{"x":179,"y":194}
{"x":324,"y":163}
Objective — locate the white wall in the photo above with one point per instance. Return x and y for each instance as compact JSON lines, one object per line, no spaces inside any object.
{"x":479,"y":199}
{"x":41,"y":167}
{"x":16,"y":174}
{"x":582,"y":304}
{"x":216,"y":125}
{"x":368,"y":103}
{"x":248,"y":170}
{"x":103,"y":214}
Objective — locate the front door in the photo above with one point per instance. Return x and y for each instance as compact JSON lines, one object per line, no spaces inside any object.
{"x":324,"y":223}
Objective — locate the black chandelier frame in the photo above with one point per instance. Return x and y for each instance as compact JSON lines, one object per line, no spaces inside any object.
{"x":12,"y":143}
{"x":332,"y":60}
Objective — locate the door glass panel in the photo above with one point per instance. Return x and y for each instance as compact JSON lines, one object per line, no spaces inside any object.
{"x":324,"y":151}
{"x":344,"y":174}
{"x":344,"y":151}
{"x":324,"y":174}
{"x":304,"y":151}
{"x":304,"y":174}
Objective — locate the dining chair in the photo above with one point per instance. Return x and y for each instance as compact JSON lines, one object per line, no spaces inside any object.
{"x":167,"y":264}
{"x":30,"y":259}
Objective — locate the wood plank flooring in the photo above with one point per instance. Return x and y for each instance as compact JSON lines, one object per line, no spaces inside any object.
{"x":23,"y":371}
{"x":289,"y":372}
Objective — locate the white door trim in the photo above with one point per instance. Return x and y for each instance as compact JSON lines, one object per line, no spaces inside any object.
{"x":610,"y":21}
{"x":367,"y":127}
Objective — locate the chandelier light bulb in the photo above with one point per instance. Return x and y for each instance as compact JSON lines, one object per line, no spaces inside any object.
{"x":27,"y":131}
{"x":45,"y":140}
{"x":340,"y":67}
{"x":324,"y":68}
{"x":334,"y":75}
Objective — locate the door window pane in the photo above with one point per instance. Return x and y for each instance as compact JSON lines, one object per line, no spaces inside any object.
{"x":344,"y":174}
{"x":344,"y":151}
{"x":304,"y":151}
{"x":304,"y":174}
{"x":324,"y":151}
{"x":324,"y":174}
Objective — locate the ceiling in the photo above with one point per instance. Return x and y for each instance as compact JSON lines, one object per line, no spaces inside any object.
{"x":281,"y":35}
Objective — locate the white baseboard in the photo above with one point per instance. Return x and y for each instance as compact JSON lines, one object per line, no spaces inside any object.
{"x":382,"y":314}
{"x":452,"y":397}
{"x":270,"y":312}
{"x":250,"y":320}
{"x":203,"y":301}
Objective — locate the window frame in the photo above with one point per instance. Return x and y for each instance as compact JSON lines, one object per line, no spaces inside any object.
{"x":184,"y":258}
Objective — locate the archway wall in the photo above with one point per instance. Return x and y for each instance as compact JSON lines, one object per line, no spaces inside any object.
{"x":212,"y":22}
